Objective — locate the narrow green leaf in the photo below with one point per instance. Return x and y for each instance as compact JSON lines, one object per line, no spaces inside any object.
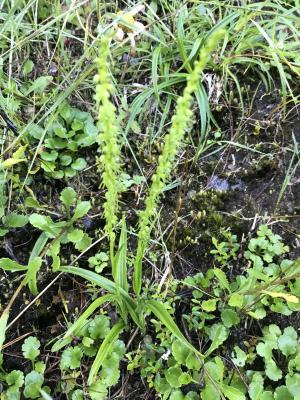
{"x":165,"y":318}
{"x":3,"y":324}
{"x":154,"y":69}
{"x":31,"y":275}
{"x":104,"y":350}
{"x":9,"y":265}
{"x":39,"y":246}
{"x":120,"y":271}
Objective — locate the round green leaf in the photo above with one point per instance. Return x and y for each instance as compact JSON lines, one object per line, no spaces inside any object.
{"x":172,"y":376}
{"x":230,"y":318}
{"x":79,"y":164}
{"x":30,"y":348}
{"x":288,"y":342}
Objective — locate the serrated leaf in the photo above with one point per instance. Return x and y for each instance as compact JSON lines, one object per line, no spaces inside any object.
{"x":256,"y":387}
{"x":180,"y":352}
{"x":259,"y":313}
{"x":229,"y":318}
{"x":49,"y":156}
{"x":28,"y":67}
{"x":81,"y":210}
{"x":99,"y":327}
{"x":288,"y":341}
{"x":264,"y":350}
{"x":40,"y":367}
{"x":110,"y":372}
{"x":272,"y":371}
{"x":177,"y":395}
{"x":282,"y":393}
{"x":185,"y":378}
{"x":271,"y":335}
{"x":15,"y":378}
{"x":33,"y":268}
{"x":45,"y":223}
{"x":192,"y":362}
{"x":14,"y":220}
{"x":172,"y":375}
{"x":33,"y":384}
{"x":236,"y":300}
{"x":39,"y":85}
{"x":12,"y":393}
{"x":84,"y":243}
{"x":30,"y":348}
{"x":75,"y":235}
{"x":211,"y":392}
{"x":67,"y":197}
{"x":214,"y":371}
{"x":79,"y":164}
{"x":267,"y":395}
{"x":71,"y":358}
{"x":209,"y":305}
{"x":119,"y":348}
{"x":293,"y":385}
{"x":240,"y":357}
{"x":98,"y":391}
{"x":54,"y":253}
{"x":77,"y":394}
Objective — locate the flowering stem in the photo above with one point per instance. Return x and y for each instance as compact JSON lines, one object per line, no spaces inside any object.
{"x":109,"y":161}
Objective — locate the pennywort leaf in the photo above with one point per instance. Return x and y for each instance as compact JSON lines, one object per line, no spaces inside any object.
{"x":31,"y":348}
